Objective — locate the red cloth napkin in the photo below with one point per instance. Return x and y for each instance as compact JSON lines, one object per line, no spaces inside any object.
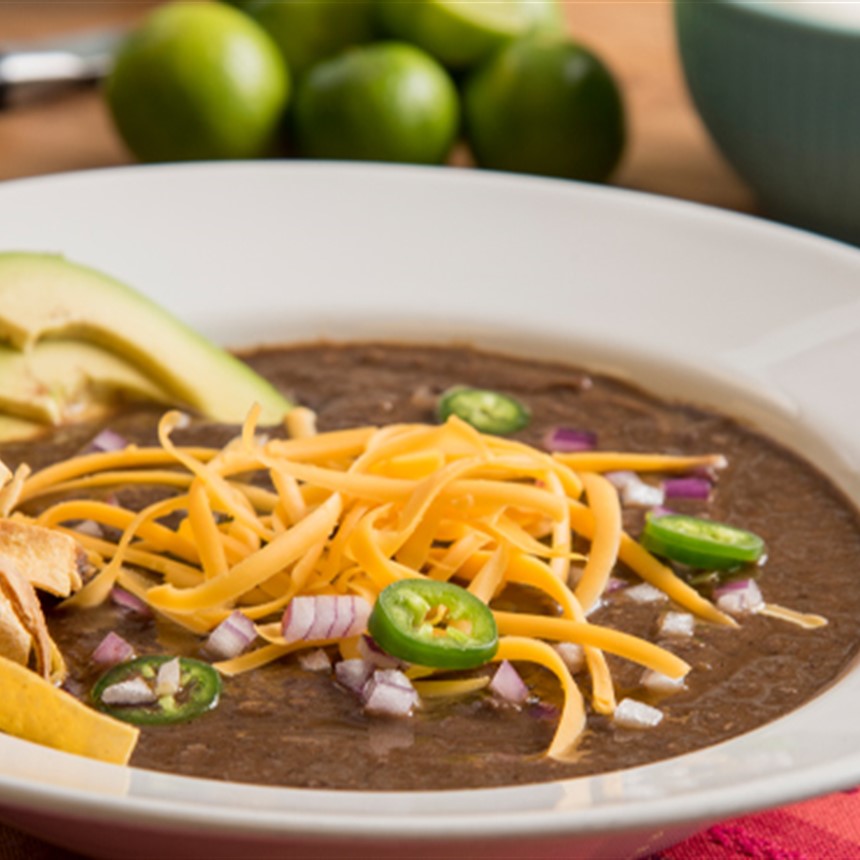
{"x":827,"y":828}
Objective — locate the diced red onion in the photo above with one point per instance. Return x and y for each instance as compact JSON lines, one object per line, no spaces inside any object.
{"x":661,"y":511}
{"x":614,"y":584}
{"x":631,"y":714}
{"x":134,"y":691}
{"x":634,"y":491}
{"x":739,"y":597}
{"x":676,"y":624}
{"x":232,"y":636}
{"x":657,"y":682}
{"x":620,"y":478}
{"x":106,"y":440}
{"x":353,"y":674}
{"x":645,"y":593}
{"x":687,"y":488}
{"x":374,"y":655}
{"x":567,"y":440}
{"x":113,"y":649}
{"x":168,"y":678}
{"x":572,"y":654}
{"x":315,"y":661}
{"x":389,"y":692}
{"x":129,"y":601}
{"x":508,"y":685}
{"x":324,"y":616}
{"x":90,"y":528}
{"x":638,"y":494}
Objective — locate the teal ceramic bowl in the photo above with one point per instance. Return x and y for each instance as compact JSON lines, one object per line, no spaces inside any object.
{"x":778,"y":86}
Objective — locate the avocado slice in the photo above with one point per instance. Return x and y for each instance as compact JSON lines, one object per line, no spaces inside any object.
{"x":18,"y":429}
{"x":45,"y":295}
{"x":62,"y":381}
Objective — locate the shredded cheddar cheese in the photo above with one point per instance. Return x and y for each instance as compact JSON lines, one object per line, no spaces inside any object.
{"x":349,"y":512}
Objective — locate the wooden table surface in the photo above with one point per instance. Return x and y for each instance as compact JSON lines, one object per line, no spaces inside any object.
{"x":668,"y":151}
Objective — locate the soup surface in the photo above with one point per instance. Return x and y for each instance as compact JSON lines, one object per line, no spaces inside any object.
{"x":283,"y":725}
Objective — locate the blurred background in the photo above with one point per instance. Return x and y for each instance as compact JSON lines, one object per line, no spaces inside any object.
{"x":668,"y":150}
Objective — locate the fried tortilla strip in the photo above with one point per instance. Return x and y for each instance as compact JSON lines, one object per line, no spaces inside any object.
{"x":15,"y":642}
{"x":22,"y":597}
{"x":49,"y":560}
{"x":35,"y":710}
{"x":11,"y":486}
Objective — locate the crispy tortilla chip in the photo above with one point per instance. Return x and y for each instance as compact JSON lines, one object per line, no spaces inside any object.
{"x":47,"y":559}
{"x":10,"y":488}
{"x":5,"y":474}
{"x":15,"y":642}
{"x":22,"y":596}
{"x":34,"y":709}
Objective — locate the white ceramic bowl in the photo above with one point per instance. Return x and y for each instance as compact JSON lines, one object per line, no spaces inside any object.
{"x":775,"y":82}
{"x":692,"y":302}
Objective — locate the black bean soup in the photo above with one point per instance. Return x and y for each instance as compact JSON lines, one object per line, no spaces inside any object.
{"x":283,"y":725}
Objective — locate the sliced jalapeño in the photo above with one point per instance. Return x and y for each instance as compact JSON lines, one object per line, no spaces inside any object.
{"x":487,"y":411}
{"x":701,"y":543}
{"x":198,"y":691}
{"x":435,"y":624}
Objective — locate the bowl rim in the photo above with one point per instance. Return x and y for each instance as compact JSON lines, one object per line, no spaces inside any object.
{"x":782,"y":13}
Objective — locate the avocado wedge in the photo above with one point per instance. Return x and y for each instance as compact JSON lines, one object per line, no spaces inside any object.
{"x":60,"y":381}
{"x":45,"y":296}
{"x":18,"y":429}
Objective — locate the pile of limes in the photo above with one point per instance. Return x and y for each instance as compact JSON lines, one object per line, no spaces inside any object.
{"x":374,"y":80}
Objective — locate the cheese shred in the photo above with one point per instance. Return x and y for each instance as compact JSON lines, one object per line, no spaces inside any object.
{"x":349,"y":512}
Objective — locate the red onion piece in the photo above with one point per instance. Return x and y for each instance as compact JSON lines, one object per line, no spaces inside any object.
{"x":353,"y":674}
{"x":232,"y":636}
{"x":645,"y":593}
{"x":634,"y":491}
{"x":687,"y":488}
{"x":106,"y":440}
{"x":113,"y":649}
{"x":389,"y":693}
{"x":129,"y":601}
{"x":508,"y":685}
{"x":657,"y":682}
{"x":167,"y":682}
{"x":315,"y":661}
{"x":573,"y":655}
{"x":568,"y":440}
{"x":739,"y":597}
{"x":620,"y":478}
{"x":324,"y":616}
{"x":90,"y":528}
{"x":630,"y":714}
{"x":676,"y":624}
{"x":373,"y":654}
{"x":614,"y":584}
{"x":134,"y":691}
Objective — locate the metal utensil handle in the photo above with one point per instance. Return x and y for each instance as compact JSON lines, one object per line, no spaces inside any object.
{"x":34,"y":71}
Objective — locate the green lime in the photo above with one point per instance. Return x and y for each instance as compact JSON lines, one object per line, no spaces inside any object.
{"x":545,"y":105}
{"x":462,"y":33}
{"x":382,"y":102}
{"x":198,"y":81}
{"x":308,"y":31}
